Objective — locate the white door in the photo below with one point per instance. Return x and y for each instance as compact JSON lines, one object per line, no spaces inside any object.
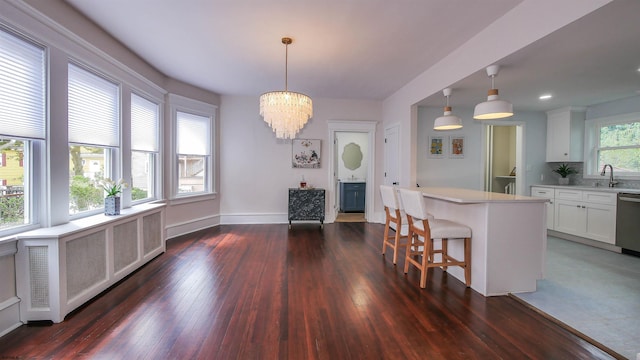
{"x":391,"y":155}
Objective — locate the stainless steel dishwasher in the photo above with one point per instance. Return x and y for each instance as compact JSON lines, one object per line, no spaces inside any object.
{"x":628,"y":223}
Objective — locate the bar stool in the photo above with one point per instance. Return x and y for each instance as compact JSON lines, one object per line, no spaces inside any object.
{"x":421,"y":224}
{"x":394,"y":215}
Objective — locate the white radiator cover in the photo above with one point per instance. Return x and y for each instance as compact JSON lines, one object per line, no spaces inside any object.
{"x":61,"y":268}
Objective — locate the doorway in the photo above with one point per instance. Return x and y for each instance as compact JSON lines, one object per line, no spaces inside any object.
{"x":504,"y":158}
{"x":351,"y":168}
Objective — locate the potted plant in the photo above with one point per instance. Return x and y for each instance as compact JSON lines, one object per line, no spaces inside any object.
{"x":564,"y":171}
{"x":113,"y":190}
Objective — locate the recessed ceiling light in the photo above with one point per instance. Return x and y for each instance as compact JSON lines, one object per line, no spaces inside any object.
{"x":545,"y":97}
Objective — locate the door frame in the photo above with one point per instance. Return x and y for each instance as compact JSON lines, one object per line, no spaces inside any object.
{"x":362,"y":126}
{"x":520,"y":153}
{"x":388,"y":160}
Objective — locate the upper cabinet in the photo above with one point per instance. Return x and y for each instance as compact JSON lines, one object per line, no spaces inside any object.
{"x":565,"y":134}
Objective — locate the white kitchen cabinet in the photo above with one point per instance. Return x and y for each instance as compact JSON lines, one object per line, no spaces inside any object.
{"x":565,"y":134}
{"x":589,"y":214}
{"x":546,"y":193}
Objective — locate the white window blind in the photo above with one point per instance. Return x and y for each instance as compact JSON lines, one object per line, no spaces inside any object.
{"x":93,"y":109}
{"x":193,"y":134}
{"x":145,"y":117}
{"x":22,"y":88}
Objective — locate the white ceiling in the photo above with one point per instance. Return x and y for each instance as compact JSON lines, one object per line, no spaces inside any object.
{"x":368,"y":49}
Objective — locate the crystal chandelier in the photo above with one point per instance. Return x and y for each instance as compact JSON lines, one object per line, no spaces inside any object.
{"x":285,"y":111}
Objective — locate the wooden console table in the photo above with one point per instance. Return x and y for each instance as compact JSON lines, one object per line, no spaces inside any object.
{"x":306,"y":204}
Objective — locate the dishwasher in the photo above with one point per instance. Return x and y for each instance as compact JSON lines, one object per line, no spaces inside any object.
{"x":628,"y":223}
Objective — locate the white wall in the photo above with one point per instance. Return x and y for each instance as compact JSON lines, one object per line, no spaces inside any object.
{"x":526,"y":23}
{"x":69,"y":35}
{"x":360,"y":139}
{"x":255,"y":167}
{"x":468,"y":172}
{"x":612,"y":108}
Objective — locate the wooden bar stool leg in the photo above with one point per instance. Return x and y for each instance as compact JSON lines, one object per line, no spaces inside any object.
{"x":386,"y":232}
{"x":427,"y":249}
{"x":408,"y":250}
{"x":397,"y":244}
{"x":444,"y":253}
{"x":467,"y":261}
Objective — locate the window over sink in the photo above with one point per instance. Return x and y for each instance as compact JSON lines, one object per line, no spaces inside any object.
{"x":613,"y":140}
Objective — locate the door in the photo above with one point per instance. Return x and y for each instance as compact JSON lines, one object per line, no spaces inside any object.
{"x":504,"y":157}
{"x":391,"y":155}
{"x":570,"y":217}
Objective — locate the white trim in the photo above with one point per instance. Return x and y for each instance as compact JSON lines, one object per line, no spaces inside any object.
{"x":366,"y":126}
{"x":277,"y":218}
{"x":590,"y":129}
{"x":522,"y":188}
{"x":75,"y":40}
{"x":9,"y":315}
{"x":181,"y":103}
{"x":192,"y":225}
{"x":8,"y":248}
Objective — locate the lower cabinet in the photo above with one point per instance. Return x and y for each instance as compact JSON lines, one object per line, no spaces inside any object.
{"x":546,"y":193}
{"x":352,"y":196}
{"x":589,"y":214}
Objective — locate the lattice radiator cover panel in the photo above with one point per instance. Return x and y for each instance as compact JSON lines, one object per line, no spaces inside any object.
{"x":39,"y":276}
{"x":152,"y":232}
{"x":86,"y":262}
{"x":125,"y":245}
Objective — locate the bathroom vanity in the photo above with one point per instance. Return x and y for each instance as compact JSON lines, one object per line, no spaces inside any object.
{"x":352,"y":196}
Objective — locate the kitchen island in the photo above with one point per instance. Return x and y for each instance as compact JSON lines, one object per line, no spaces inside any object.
{"x":508,"y":241}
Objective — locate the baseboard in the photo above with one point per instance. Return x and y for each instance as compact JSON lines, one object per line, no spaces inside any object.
{"x":186,"y":227}
{"x":234,"y":219}
{"x":585,"y":241}
{"x":9,"y":315}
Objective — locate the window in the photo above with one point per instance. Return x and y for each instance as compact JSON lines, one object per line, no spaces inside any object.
{"x":22,"y":130}
{"x":614,"y":141}
{"x":192,"y":163}
{"x":193,"y":152}
{"x":145,"y":125}
{"x":94,"y":137}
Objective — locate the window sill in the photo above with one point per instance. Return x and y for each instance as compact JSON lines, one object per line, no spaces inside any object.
{"x":187,"y":199}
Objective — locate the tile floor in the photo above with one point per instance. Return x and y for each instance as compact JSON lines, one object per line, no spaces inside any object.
{"x":594,"y":291}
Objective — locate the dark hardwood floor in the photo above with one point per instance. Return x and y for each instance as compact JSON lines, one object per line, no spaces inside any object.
{"x":267,"y":292}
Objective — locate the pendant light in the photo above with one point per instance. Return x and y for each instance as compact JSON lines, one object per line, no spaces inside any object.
{"x":447,"y":121}
{"x":493,"y":108}
{"x":285,"y":111}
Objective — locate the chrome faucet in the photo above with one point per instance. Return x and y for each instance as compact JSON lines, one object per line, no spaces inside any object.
{"x":604,"y":169}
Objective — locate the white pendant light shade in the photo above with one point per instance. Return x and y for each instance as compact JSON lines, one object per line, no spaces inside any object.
{"x":447,"y":121}
{"x":493,"y":108}
{"x":286,"y":112}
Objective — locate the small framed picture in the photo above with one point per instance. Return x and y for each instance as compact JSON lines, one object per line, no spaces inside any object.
{"x":457,"y":147}
{"x":436,"y":146}
{"x":305,"y":153}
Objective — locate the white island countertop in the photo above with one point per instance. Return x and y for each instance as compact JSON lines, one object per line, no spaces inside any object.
{"x":468,"y":196}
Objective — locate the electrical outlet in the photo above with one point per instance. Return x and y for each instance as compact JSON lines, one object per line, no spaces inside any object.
{"x":541,"y":177}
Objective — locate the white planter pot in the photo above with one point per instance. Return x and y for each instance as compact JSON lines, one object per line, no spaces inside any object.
{"x":563,"y":181}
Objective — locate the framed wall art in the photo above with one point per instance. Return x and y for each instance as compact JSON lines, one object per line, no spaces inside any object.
{"x":436,"y":146}
{"x":305,"y":153}
{"x":457,"y":147}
